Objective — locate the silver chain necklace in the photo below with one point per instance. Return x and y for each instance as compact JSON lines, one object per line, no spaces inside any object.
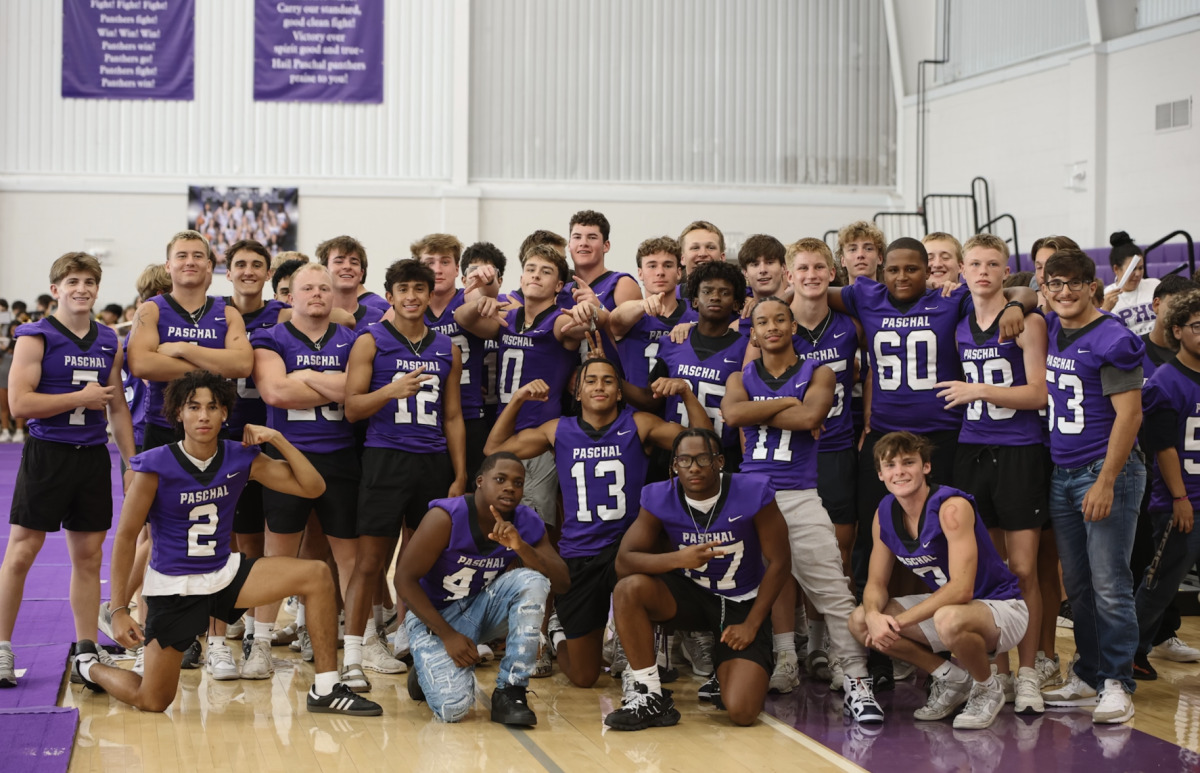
{"x":815,"y":336}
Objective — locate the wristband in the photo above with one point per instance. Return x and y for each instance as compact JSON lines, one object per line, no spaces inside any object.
{"x":1013,"y":304}
{"x":1180,"y":499}
{"x":118,"y":609}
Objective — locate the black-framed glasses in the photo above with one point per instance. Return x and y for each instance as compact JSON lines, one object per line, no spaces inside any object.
{"x":1192,"y":326}
{"x":1056,"y":285}
{"x":684,"y":461}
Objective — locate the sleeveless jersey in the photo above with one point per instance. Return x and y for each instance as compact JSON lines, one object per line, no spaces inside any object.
{"x":175,"y":324}
{"x":1176,"y":388}
{"x":320,"y":430}
{"x":250,"y":408}
{"x":191,"y":517}
{"x":601,"y":480}
{"x":605,"y":287}
{"x":375,"y":302}
{"x":415,"y":424}
{"x":472,"y":349}
{"x":528,"y":355}
{"x":739,"y":572}
{"x":707,"y":375}
{"x":638,"y":348}
{"x":911,"y":350}
{"x":836,"y":348}
{"x":788,"y":459}
{"x":471,"y":561}
{"x":491,"y":378}
{"x":987,"y":361}
{"x":367,"y":315}
{"x":928,"y":555}
{"x":68,"y":364}
{"x":1080,"y":415}
{"x":135,"y":396}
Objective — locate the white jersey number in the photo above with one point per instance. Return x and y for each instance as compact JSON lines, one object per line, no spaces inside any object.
{"x":331,"y":412}
{"x":616,"y":490}
{"x":203,"y":528}
{"x":996,"y":372}
{"x":244,"y":389}
{"x":465,"y":348}
{"x":82,"y":377}
{"x":514,"y":358}
{"x":939,"y":576}
{"x":458,"y":585}
{"x":430,"y":393}
{"x":894,"y":370}
{"x":782,"y":454}
{"x":703,"y":391}
{"x":1191,"y":443}
{"x":1074,"y":406}
{"x":733,"y":553}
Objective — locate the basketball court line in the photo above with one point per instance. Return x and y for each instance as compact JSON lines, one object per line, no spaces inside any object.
{"x":823,"y":752}
{"x":531,"y":746}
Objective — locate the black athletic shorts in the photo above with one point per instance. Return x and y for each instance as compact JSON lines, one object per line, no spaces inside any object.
{"x":1009,"y":484}
{"x":176,"y":621}
{"x":155,"y":436}
{"x":337,"y":508}
{"x":699,"y":610}
{"x":248,"y":518}
{"x":63,"y":486}
{"x":837,"y":477}
{"x":733,"y":458}
{"x":584,"y":607}
{"x":397,"y":487}
{"x":477,"y":435}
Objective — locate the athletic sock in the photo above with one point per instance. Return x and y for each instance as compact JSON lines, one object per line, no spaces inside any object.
{"x":784,"y":642}
{"x":378,"y":610}
{"x":559,"y":637}
{"x":6,"y":645}
{"x":950,"y":672}
{"x":353,"y":651}
{"x":325,"y":682}
{"x":299,"y":615}
{"x":816,"y":635}
{"x":249,"y":620}
{"x":648,"y":677}
{"x":262,"y":630}
{"x":86,"y":660}
{"x":991,"y":683}
{"x":216,"y":640}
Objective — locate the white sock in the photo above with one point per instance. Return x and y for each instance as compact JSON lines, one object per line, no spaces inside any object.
{"x":559,"y":637}
{"x":816,"y":635}
{"x":86,"y":661}
{"x":353,"y":651}
{"x":950,"y":672}
{"x":6,"y":645}
{"x":784,"y":642}
{"x":300,"y":616}
{"x":262,"y":630}
{"x":991,"y":683}
{"x":378,"y":609}
{"x":370,"y":633}
{"x":648,"y":677}
{"x":325,"y":682}
{"x":216,"y":641}
{"x":249,"y":619}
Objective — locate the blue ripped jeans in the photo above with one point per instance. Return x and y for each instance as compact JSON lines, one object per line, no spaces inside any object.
{"x":512,"y":606}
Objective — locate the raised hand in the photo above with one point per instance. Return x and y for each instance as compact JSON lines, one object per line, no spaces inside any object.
{"x":670,"y":387}
{"x":696,"y":556}
{"x":583,"y":293}
{"x":408,"y":384}
{"x":504,"y":532}
{"x":482,"y":276}
{"x":489,"y":308}
{"x":652,"y":305}
{"x":255,"y":435}
{"x":536,"y":390}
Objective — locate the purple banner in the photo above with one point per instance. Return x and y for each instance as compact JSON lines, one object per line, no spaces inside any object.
{"x":128,"y":49}
{"x":318,"y":52}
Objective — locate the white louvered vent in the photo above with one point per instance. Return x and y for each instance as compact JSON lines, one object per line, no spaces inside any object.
{"x":1173,"y":115}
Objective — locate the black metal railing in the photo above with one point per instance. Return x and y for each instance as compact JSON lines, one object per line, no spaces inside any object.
{"x":1191,"y":252}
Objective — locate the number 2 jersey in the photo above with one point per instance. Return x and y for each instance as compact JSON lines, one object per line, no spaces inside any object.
{"x":191,"y":517}
{"x":1171,"y":403}
{"x":928,"y":555}
{"x":413,"y":425}
{"x":320,"y":430}
{"x":638,"y":348}
{"x":739,"y":572}
{"x":69,"y":364}
{"x":601,"y":473}
{"x":1081,"y":416}
{"x":911,"y":351}
{"x":470,"y":561}
{"x":985,"y":360}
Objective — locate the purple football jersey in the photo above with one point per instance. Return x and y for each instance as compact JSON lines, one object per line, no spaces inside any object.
{"x":788,"y":459}
{"x":638,"y":349}
{"x":320,"y":430}
{"x":414,"y":424}
{"x":928,"y":555}
{"x":1081,"y":416}
{"x":1176,"y":388}
{"x":191,"y":517}
{"x":135,"y":396}
{"x":601,"y":475}
{"x":464,"y":569}
{"x":911,"y":350}
{"x":740,"y":571}
{"x":987,"y":361}
{"x":176,"y":324}
{"x":836,"y":348}
{"x":250,"y":408}
{"x":528,"y":354}
{"x":707,"y":375}
{"x":68,"y":364}
{"x":367,"y":315}
{"x":605,"y":287}
{"x":374,"y":301}
{"x":472,"y":349}
{"x":491,"y":378}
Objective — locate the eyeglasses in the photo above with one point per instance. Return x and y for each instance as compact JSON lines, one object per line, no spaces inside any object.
{"x":1194,"y":327}
{"x":1056,"y":285}
{"x":685,"y":461}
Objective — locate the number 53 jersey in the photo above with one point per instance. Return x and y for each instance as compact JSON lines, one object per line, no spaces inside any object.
{"x":191,"y":517}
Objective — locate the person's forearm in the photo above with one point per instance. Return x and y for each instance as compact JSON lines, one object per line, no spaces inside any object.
{"x":153,"y":366}
{"x":467,"y":317}
{"x":875,"y":597}
{"x":750,"y":413}
{"x":954,"y":592}
{"x":28,"y":404}
{"x":122,"y":424}
{"x":776,"y":574}
{"x":1120,"y":444}
{"x":302,"y":469}
{"x":417,"y":602}
{"x":697,"y":416}
{"x":1172,"y":473}
{"x":642,"y":398}
{"x":289,"y":393}
{"x":633,"y":562}
{"x":121,"y":566}
{"x":505,"y":426}
{"x":1021,"y":398}
{"x":1026,"y":296}
{"x":624,"y":317}
{"x":364,"y":406}
{"x":230,"y":363}
{"x":331,"y":384}
{"x":798,"y":418}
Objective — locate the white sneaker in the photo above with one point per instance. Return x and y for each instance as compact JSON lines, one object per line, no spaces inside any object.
{"x":8,"y":668}
{"x":786,"y":676}
{"x":1074,"y":693}
{"x":5,"y":436}
{"x":139,"y":663}
{"x":19,"y":436}
{"x":1007,"y":683}
{"x":944,"y":699}
{"x":485,"y":653}
{"x":901,"y":670}
{"x":400,"y":645}
{"x":697,"y":650}
{"x":1177,"y":650}
{"x":292,"y":605}
{"x":236,"y":630}
{"x":983,"y":706}
{"x":1049,"y":670}
{"x":1115,"y":706}
{"x":258,"y":664}
{"x":104,"y":619}
{"x":375,"y":656}
{"x":1029,"y":696}
{"x":859,"y":703}
{"x":220,"y":664}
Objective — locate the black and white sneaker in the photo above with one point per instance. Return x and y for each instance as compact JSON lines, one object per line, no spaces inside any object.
{"x":414,"y":687}
{"x":709,"y":689}
{"x":247,"y":645}
{"x":643,"y":710}
{"x":341,"y":700}
{"x":192,"y":658}
{"x":859,"y":703}
{"x":510,"y":706}
{"x":86,"y":650}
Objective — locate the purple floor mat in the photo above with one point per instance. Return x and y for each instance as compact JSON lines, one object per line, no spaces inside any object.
{"x":38,"y":686}
{"x":37,"y":741}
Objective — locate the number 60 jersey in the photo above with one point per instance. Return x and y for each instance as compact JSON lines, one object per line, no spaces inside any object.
{"x":191,"y":517}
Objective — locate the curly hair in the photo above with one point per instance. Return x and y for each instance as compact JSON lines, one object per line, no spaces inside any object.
{"x":179,"y":391}
{"x":717,"y":269}
{"x":483,"y":252}
{"x":1183,"y":306}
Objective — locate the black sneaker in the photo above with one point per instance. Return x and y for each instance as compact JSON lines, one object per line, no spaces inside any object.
{"x":879,"y":666}
{"x":1066,"y":617}
{"x":510,"y":706}
{"x":192,"y":658}
{"x":414,"y":686}
{"x":668,"y":674}
{"x":247,"y":645}
{"x":643,"y":710}
{"x":709,"y":689}
{"x":86,"y":650}
{"x":1142,"y":670}
{"x":341,"y":700}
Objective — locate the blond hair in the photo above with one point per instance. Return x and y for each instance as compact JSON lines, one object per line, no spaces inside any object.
{"x":71,"y":263}
{"x":283,"y":257}
{"x":154,"y":280}
{"x":986,"y":242}
{"x":857,"y":231}
{"x":809,"y":244}
{"x":703,"y":225}
{"x":941,"y":236}
{"x":192,"y":236}
{"x":437,"y":244}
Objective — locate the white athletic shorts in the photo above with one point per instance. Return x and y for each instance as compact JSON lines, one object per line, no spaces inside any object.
{"x":1011,"y":617}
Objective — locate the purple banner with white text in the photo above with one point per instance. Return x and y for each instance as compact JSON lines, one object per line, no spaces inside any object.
{"x":129,"y":49}
{"x":318,"y":51}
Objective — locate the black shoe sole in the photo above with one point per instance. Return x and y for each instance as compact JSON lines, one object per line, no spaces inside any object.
{"x":515,"y":720}
{"x":663,"y":720}
{"x":1145,"y":676}
{"x":414,"y":687}
{"x":375,"y":712}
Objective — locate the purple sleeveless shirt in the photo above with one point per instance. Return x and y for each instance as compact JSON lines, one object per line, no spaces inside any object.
{"x":788,"y":459}
{"x":985,"y":360}
{"x":414,"y":425}
{"x":68,"y":364}
{"x":1176,"y":388}
{"x":472,"y":349}
{"x":175,"y":324}
{"x":638,"y":349}
{"x":135,"y":396}
{"x":706,"y":375}
{"x":250,"y":408}
{"x":836,"y":347}
{"x":528,"y":355}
